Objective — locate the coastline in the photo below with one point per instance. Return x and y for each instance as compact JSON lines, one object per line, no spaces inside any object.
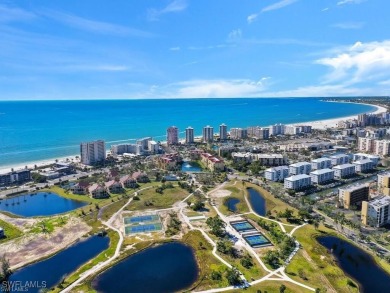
{"x":317,"y":124}
{"x":332,"y":123}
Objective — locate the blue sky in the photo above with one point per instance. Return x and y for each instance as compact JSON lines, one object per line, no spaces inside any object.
{"x":104,"y":49}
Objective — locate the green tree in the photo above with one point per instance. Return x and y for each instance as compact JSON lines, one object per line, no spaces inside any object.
{"x":5,"y":268}
{"x":282,"y":288}
{"x":233,"y":277}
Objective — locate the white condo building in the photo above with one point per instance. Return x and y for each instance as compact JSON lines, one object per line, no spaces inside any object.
{"x":144,"y":143}
{"x":238,"y":133}
{"x":92,"y":152}
{"x":363,"y":165}
{"x":300,"y":168}
{"x":276,"y":173}
{"x":292,"y":130}
{"x":321,"y":163}
{"x":340,"y":159}
{"x":344,"y":171}
{"x":120,"y":149}
{"x":376,"y":212}
{"x":153,"y":146}
{"x":322,"y":176}
{"x":361,"y":156}
{"x":297,"y":182}
{"x":189,"y":135}
{"x":222,"y":132}
{"x":208,"y":133}
{"x":277,"y":129}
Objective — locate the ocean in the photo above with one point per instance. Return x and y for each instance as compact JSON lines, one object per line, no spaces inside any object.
{"x":32,"y":131}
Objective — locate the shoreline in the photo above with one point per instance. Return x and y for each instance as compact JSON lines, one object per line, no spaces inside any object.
{"x":332,"y":123}
{"x":316,"y":124}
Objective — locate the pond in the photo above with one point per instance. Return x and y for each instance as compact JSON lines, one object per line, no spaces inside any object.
{"x":231,"y":203}
{"x":39,"y":204}
{"x":257,"y":201}
{"x":190,"y":167}
{"x":168,"y":267}
{"x":49,"y":272}
{"x":358,"y":264}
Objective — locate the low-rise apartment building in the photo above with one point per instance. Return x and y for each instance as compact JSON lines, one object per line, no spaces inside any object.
{"x":363,"y":165}
{"x":213,"y":163}
{"x":276,"y":173}
{"x":344,"y":171}
{"x":340,"y":159}
{"x":321,"y":163}
{"x":297,"y":182}
{"x":300,"y":168}
{"x":322,"y":176}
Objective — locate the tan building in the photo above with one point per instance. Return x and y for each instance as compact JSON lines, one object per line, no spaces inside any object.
{"x":213,"y":163}
{"x":384,"y":183}
{"x":354,"y":195}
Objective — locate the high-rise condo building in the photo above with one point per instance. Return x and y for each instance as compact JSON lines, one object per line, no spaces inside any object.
{"x":172,"y":135}
{"x":92,"y":152}
{"x":222,"y":132}
{"x":189,"y":135}
{"x":208,"y":133}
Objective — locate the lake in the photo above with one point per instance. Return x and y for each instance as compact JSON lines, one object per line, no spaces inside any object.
{"x":231,"y":203}
{"x":358,"y":264}
{"x":49,"y":272}
{"x":190,"y":167}
{"x":39,"y":204}
{"x":257,"y":201}
{"x":168,"y":267}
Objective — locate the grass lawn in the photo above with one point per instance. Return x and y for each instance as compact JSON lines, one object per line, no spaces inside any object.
{"x":273,"y":287}
{"x":10,"y":231}
{"x":60,"y":191}
{"x":49,"y":224}
{"x":318,"y":265}
{"x":207,"y":263}
{"x":150,"y":199}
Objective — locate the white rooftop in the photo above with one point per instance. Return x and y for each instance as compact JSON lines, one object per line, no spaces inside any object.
{"x":343,"y":166}
{"x":298,"y":177}
{"x":321,"y":171}
{"x":299,"y":164}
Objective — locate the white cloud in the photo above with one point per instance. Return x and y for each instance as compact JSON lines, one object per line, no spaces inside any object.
{"x":325,"y":9}
{"x":343,"y":2}
{"x":174,"y":6}
{"x":251,"y":18}
{"x":94,"y":26}
{"x":361,"y":62}
{"x":235,"y":35}
{"x":349,"y":25}
{"x":174,"y":49}
{"x":9,"y":14}
{"x":215,"y":88}
{"x":278,"y":5}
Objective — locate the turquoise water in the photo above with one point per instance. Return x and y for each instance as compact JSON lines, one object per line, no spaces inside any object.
{"x":190,"y":167}
{"x":38,"y":130}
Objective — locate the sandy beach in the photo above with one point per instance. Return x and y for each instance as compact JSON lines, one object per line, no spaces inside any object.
{"x":332,"y":123}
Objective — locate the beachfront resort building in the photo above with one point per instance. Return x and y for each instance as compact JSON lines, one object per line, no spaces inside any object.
{"x":376,"y":146}
{"x":300,"y":168}
{"x":144,"y":142}
{"x":208,"y":134}
{"x":321,"y":163}
{"x":17,"y":176}
{"x":344,"y":171}
{"x":322,"y":176}
{"x":223,"y":132}
{"x":376,"y":212}
{"x":363,"y":166}
{"x":297,"y":182}
{"x":190,"y":135}
{"x":238,"y":133}
{"x":120,"y":149}
{"x":353,"y":195}
{"x":172,"y":135}
{"x":258,"y":132}
{"x":277,"y":129}
{"x":384,"y":183}
{"x":276,"y":174}
{"x":340,"y":159}
{"x":92,"y":152}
